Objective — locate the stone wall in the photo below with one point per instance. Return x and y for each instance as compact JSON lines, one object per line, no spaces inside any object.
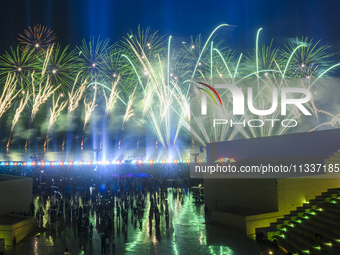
{"x":258,"y":194}
{"x":15,"y":194}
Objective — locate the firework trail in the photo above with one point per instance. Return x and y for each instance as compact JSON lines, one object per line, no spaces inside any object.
{"x":43,"y":93}
{"x":41,"y":96}
{"x":129,"y":111}
{"x":165,"y":82}
{"x":110,"y":102}
{"x":156,"y":85}
{"x":55,"y":111}
{"x":89,"y":107}
{"x":21,"y":107}
{"x":335,"y":121}
{"x":76,"y":95}
{"x":8,"y":94}
{"x":63,"y":144}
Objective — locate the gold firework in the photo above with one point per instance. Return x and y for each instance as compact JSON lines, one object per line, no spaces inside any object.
{"x":55,"y":110}
{"x":75,"y":96}
{"x":113,"y":97}
{"x":8,"y":94}
{"x":89,"y":107}
{"x":39,"y":37}
{"x":18,"y":111}
{"x":43,"y":93}
{"x":129,"y":111}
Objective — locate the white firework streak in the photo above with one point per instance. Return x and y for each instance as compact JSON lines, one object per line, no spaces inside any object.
{"x":55,"y":110}
{"x":110,"y":102}
{"x":47,"y":59}
{"x":75,"y":96}
{"x":129,"y":111}
{"x":42,"y":95}
{"x":335,"y":121}
{"x":18,"y":111}
{"x":89,"y":107}
{"x":8,"y":94}
{"x":161,"y":122}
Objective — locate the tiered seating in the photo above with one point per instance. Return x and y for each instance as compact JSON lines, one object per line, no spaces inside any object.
{"x":333,"y":159}
{"x":296,"y":232}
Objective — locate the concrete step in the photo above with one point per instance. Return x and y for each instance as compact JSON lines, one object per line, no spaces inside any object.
{"x":333,"y":207}
{"x":308,"y":242}
{"x":289,"y":247}
{"x":297,"y":244}
{"x":329,"y":214}
{"x":296,"y":231}
{"x":334,"y":191}
{"x":330,"y":236}
{"x":310,"y":238}
{"x":325,"y":225}
{"x":329,"y":220}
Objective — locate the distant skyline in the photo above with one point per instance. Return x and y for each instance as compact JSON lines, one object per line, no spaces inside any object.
{"x":73,"y":20}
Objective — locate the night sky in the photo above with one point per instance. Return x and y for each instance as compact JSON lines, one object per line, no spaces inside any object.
{"x":73,"y":20}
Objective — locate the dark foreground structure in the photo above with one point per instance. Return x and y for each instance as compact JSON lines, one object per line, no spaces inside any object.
{"x":276,"y":206}
{"x":15,"y":202}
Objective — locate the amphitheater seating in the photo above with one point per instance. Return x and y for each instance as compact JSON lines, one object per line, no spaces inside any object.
{"x":296,"y":232}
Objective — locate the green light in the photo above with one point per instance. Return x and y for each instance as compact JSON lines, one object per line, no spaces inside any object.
{"x":199,"y":58}
{"x":257,"y":50}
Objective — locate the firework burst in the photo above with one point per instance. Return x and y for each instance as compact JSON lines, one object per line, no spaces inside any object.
{"x":39,"y":37}
{"x":92,"y":57}
{"x":147,"y":67}
{"x":21,"y":64}
{"x":62,"y":66}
